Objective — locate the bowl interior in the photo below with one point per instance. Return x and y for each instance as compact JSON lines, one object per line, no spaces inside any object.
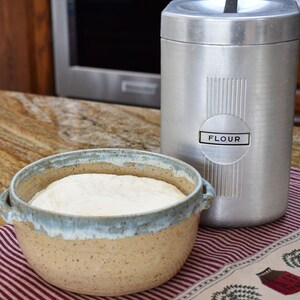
{"x":39,"y":175}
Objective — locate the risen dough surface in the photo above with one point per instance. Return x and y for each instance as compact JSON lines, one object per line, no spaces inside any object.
{"x":106,"y":195}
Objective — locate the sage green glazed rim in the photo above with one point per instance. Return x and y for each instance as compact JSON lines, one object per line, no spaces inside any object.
{"x":73,"y":227}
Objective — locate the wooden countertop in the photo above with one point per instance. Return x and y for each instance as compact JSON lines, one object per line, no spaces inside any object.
{"x":32,"y":127}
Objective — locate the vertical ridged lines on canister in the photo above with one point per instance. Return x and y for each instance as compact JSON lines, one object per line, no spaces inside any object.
{"x":225,"y":96}
{"x":226,"y":179}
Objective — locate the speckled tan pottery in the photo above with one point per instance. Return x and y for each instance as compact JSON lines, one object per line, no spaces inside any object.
{"x":106,"y":256}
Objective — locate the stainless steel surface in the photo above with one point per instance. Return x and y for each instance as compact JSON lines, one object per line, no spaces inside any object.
{"x":257,"y":22}
{"x":92,"y":83}
{"x":228,"y":111}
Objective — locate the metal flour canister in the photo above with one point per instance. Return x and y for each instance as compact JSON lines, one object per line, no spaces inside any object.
{"x":228,"y":85}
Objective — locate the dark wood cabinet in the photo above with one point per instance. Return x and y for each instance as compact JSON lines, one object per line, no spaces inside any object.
{"x":297,"y":104}
{"x":297,"y":108}
{"x":26,"y":63}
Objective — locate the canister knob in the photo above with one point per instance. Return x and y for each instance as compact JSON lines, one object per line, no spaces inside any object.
{"x":231,"y":7}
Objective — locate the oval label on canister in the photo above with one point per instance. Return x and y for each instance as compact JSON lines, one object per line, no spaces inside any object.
{"x":224,"y":139}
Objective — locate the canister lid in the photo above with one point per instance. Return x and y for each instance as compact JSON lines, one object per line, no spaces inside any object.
{"x":252,"y":22}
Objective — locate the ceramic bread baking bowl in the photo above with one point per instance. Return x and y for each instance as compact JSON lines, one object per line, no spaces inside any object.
{"x":112,"y":255}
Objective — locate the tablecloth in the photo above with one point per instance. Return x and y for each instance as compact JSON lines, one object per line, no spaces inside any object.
{"x":255,"y":263}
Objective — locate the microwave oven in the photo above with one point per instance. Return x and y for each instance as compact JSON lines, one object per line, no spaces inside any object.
{"x":108,"y":50}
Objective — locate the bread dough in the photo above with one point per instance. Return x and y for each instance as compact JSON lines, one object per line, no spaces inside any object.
{"x":106,"y":195}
